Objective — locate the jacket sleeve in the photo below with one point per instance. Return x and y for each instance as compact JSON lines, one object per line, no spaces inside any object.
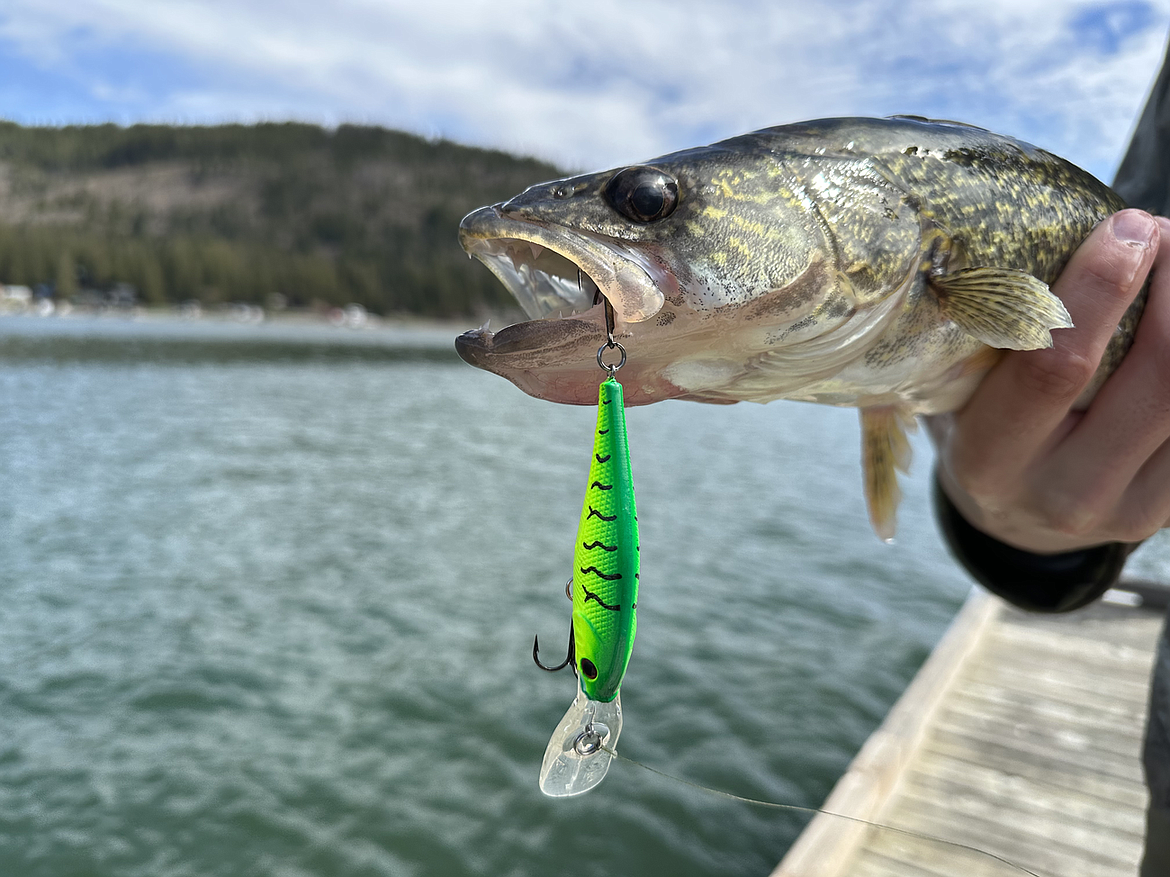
{"x":1036,"y":582}
{"x":1143,"y":179}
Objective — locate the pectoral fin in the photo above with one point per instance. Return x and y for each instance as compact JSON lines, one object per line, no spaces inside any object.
{"x":885,"y":450}
{"x":1002,"y":307}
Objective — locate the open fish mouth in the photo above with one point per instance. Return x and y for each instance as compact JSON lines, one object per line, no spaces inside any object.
{"x":560,"y":278}
{"x":552,"y":271}
{"x":543,"y":282}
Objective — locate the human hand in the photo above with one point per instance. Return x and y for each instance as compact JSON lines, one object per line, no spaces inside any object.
{"x":1021,"y":465}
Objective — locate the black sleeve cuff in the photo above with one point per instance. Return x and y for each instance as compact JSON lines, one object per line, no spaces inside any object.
{"x":1036,"y":582}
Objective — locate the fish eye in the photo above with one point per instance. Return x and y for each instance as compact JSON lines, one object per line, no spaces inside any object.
{"x":588,"y":668}
{"x":643,"y":194}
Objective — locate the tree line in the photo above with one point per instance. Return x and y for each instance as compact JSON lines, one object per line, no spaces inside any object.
{"x":235,"y":213}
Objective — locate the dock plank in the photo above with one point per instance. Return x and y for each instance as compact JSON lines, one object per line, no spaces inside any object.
{"x":1067,"y":729}
{"x":1051,"y":750}
{"x":946,"y":778}
{"x":1116,"y":717}
{"x":1058,"y":776}
{"x":1021,"y":736}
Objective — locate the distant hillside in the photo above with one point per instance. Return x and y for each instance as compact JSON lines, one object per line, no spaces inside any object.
{"x":235,"y":213}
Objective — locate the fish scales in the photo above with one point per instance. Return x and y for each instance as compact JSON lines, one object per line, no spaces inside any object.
{"x":874,"y":263}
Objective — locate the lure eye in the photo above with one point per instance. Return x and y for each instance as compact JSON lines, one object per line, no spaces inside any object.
{"x":588,"y":668}
{"x":643,"y":194}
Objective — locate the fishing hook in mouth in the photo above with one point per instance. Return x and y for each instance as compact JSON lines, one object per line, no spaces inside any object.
{"x":610,"y":343}
{"x":597,"y":296}
{"x":609,"y":321}
{"x":568,"y":657}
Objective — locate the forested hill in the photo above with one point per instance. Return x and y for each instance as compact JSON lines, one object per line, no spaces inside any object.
{"x":235,"y":213}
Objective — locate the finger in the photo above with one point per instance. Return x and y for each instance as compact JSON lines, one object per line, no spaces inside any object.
{"x":1127,"y":422}
{"x":1144,"y":507}
{"x":1022,"y":401}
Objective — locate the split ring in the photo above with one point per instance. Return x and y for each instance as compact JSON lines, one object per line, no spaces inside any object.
{"x":607,"y":346}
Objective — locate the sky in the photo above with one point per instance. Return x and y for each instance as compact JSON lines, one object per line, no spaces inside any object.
{"x":590,"y":85}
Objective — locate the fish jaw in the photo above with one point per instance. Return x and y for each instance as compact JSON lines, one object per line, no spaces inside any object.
{"x":560,"y":276}
{"x":556,"y":360}
{"x":550,"y":269}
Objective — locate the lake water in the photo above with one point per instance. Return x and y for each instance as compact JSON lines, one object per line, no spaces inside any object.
{"x":269,"y":597}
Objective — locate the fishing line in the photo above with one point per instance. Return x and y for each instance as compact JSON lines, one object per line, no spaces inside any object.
{"x":799,"y":809}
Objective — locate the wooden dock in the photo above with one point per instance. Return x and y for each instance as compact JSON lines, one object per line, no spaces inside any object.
{"x":1020,"y":736}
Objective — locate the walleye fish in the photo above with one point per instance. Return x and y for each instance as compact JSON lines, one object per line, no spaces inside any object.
{"x":875,"y":263}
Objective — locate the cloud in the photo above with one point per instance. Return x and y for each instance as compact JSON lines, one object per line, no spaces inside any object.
{"x":1106,"y":27}
{"x":596,"y":84}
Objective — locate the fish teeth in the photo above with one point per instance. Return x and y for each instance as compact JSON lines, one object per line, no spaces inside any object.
{"x":537,"y":249}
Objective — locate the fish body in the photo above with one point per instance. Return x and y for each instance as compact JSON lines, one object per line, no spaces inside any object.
{"x":874,"y":263}
{"x":605,"y":559}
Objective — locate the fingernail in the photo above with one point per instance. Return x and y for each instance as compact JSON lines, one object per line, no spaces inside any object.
{"x":1134,"y":227}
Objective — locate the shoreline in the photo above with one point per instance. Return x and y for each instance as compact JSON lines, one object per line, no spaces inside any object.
{"x":357,"y":322}
{"x":166,"y":334}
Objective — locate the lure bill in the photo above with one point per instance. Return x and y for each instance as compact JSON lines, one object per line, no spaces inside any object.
{"x":604,"y":589}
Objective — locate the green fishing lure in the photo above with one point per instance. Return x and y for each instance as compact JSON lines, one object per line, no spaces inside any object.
{"x":604,"y":590}
{"x":605,"y":561}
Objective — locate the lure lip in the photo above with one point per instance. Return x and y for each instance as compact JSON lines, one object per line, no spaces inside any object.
{"x":567,"y":769}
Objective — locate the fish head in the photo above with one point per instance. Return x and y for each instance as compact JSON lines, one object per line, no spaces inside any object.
{"x":705,"y":257}
{"x":557,"y":245}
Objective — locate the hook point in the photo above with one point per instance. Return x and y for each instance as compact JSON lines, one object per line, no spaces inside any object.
{"x":568,"y":657}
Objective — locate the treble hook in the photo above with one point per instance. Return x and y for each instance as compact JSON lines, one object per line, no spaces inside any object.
{"x":568,"y":658}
